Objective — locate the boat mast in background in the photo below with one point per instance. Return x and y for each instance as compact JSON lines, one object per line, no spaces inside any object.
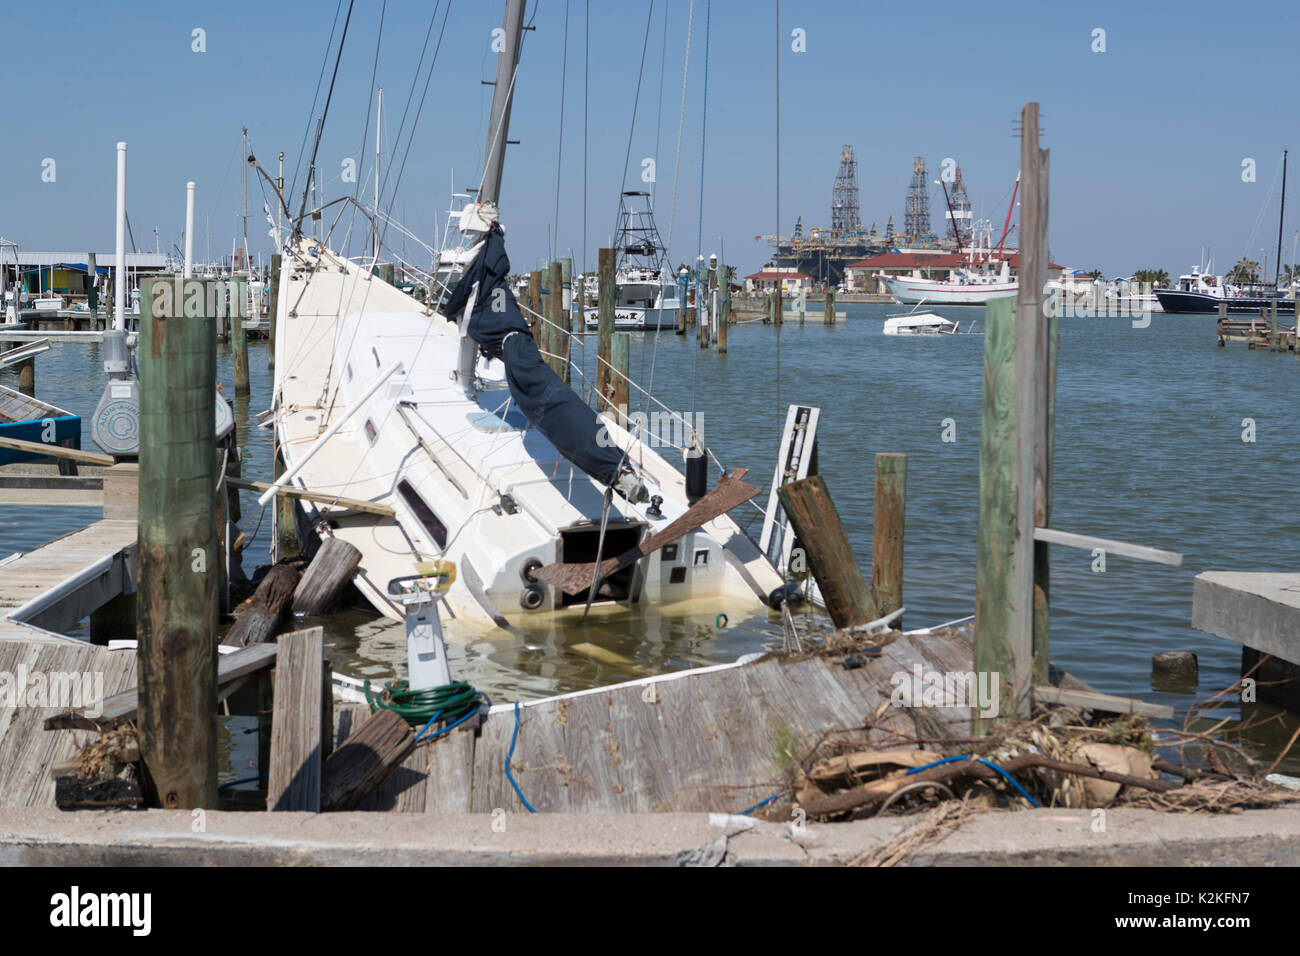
{"x":1281,"y":212}
{"x":502,"y":97}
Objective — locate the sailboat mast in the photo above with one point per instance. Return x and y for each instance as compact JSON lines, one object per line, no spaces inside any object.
{"x":502,"y":96}
{"x":1281,"y":211}
{"x":374,"y":224}
{"x":245,"y":167}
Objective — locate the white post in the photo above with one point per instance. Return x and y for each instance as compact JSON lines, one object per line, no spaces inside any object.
{"x":189,"y":229}
{"x":119,"y":272}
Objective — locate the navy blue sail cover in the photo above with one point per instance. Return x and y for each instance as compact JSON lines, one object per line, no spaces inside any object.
{"x":552,"y":407}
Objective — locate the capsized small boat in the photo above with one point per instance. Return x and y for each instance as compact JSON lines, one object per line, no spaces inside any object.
{"x":919,"y":323}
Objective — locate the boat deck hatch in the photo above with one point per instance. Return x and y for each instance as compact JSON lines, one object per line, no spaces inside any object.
{"x":580,"y":544}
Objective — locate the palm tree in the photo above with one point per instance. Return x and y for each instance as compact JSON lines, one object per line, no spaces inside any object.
{"x":1245,"y":272}
{"x":1156,"y":277}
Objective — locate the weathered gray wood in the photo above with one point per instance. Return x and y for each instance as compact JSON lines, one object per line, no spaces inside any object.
{"x":294,"y":779}
{"x":1001,"y":625}
{"x":450,"y":782}
{"x":1089,"y":542}
{"x":812,"y":514}
{"x":330,"y":570}
{"x":1045,"y":348}
{"x":238,"y":339}
{"x":274,"y":310}
{"x":351,"y":504}
{"x":1095,"y":701}
{"x":59,"y":451}
{"x":262,"y":613}
{"x":364,"y":760}
{"x":887,"y":533}
{"x":124,"y":705}
{"x":179,"y":562}
{"x":604,"y":327}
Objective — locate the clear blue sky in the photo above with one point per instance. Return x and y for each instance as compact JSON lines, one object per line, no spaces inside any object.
{"x":1147,"y":138}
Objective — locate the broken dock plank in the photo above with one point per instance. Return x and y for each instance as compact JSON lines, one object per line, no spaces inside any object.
{"x":294,"y":778}
{"x":72,"y":673}
{"x":124,"y":705}
{"x":363,"y":761}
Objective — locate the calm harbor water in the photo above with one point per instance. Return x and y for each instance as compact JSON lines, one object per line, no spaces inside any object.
{"x":1148,"y":449}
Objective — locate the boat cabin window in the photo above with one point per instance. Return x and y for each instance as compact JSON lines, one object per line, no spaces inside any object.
{"x":435,"y":528}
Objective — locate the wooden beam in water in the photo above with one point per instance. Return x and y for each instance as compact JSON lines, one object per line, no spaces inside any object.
{"x":808,"y":505}
{"x":59,"y":451}
{"x":322,"y":497}
{"x":329,"y":571}
{"x":368,"y":755}
{"x":1047,"y":694}
{"x":294,"y":778}
{"x":1088,"y":542}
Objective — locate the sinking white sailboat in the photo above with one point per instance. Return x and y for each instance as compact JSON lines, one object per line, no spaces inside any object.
{"x":484,"y":456}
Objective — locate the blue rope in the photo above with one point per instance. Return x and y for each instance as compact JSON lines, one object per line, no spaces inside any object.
{"x":988,"y":763}
{"x":761,"y":803}
{"x":509,"y":776}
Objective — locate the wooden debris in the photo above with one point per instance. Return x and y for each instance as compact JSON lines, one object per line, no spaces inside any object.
{"x":729,"y":492}
{"x":364,"y":759}
{"x":294,"y":779}
{"x":262,"y":613}
{"x":330,"y":570}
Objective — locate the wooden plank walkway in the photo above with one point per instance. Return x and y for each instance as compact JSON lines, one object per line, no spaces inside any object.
{"x":54,"y":587}
{"x":718,"y":739}
{"x":33,"y":674}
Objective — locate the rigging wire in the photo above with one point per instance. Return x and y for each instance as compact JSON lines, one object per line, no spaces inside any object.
{"x":699,"y":236}
{"x":681,"y":124}
{"x":320,"y":126}
{"x":324,"y":62}
{"x":636,"y":100}
{"x":365,"y":129}
{"x":559,"y":146}
{"x":776,"y":301}
{"x":586,"y":83}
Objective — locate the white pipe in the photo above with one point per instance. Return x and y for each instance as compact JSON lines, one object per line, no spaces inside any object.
{"x":326,"y":436}
{"x":119,"y":273}
{"x":189,"y":229}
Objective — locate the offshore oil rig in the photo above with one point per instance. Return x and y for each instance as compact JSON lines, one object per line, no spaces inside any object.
{"x":824,"y":253}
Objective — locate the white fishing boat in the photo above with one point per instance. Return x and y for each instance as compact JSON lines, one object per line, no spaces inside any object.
{"x":646,"y":295}
{"x":967,"y":286}
{"x":919,"y":323}
{"x":484,"y":456}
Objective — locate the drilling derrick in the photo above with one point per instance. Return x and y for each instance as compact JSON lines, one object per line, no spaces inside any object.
{"x":916,"y":217}
{"x":961,"y":211}
{"x":845,"y":219}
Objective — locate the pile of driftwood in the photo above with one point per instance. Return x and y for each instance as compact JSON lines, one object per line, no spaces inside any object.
{"x":1055,"y":759}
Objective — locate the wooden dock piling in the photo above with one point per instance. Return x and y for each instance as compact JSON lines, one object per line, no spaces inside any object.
{"x":1011,"y":594}
{"x":829,"y":312}
{"x":178,"y":557}
{"x":535,"y":305}
{"x":605,"y":329}
{"x":620,"y":358}
{"x":817,"y":525}
{"x":887,"y":533}
{"x":27,"y":377}
{"x":273,"y":311}
{"x":555,"y":315}
{"x":238,"y":340}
